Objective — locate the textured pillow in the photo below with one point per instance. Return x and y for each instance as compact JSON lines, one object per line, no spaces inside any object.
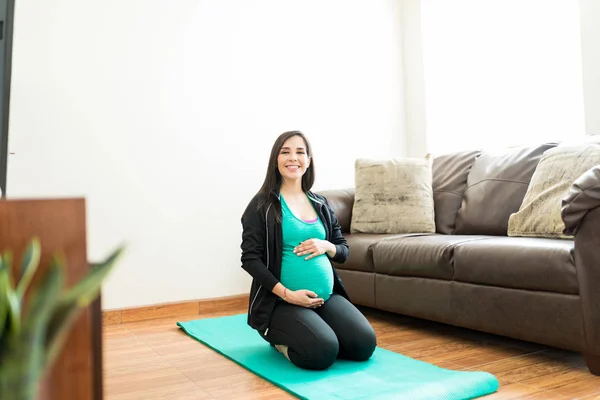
{"x":496,"y":186}
{"x":393,"y":196}
{"x":540,"y":212}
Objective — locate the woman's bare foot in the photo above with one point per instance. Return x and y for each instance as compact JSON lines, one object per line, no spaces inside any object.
{"x":283,"y":349}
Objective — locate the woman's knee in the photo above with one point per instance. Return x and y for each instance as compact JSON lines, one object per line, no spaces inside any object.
{"x":322,"y":355}
{"x":364,"y":344}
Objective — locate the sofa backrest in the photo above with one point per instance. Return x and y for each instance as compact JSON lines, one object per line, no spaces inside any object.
{"x":450,"y":173}
{"x":474,"y":191}
{"x":496,"y":185}
{"x":341,"y":202}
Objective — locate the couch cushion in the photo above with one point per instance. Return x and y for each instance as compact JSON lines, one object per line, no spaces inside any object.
{"x":450,"y":173}
{"x":519,"y":263}
{"x":540,"y":213}
{"x":360,"y":257}
{"x":496,"y":186}
{"x":341,"y":202}
{"x":428,"y":256}
{"x":393,"y":196}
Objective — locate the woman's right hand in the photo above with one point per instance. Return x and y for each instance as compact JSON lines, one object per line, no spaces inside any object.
{"x":304,"y":298}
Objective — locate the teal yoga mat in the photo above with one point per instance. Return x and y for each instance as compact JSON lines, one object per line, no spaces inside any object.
{"x":387,"y":375}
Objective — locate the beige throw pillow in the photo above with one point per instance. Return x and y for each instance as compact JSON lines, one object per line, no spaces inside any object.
{"x":393,"y":196}
{"x":540,"y":212}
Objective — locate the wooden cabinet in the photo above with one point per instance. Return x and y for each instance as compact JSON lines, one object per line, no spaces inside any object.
{"x":60,"y":224}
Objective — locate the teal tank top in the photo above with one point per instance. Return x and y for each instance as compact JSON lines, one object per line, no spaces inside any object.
{"x":297,"y":273}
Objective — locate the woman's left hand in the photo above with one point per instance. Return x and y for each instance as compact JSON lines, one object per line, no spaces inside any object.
{"x":314,"y":247}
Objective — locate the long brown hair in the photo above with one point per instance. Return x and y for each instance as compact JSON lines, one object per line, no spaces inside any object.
{"x":273,"y":179}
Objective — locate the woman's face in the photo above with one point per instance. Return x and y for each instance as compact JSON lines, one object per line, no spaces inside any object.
{"x":293,"y":159}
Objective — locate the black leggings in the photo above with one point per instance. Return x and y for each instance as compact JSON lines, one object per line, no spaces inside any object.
{"x":316,"y":337}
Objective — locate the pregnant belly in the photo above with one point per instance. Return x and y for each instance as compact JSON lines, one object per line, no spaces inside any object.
{"x":315,"y":274}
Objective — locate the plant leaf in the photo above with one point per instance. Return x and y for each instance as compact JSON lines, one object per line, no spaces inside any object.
{"x":11,"y":301}
{"x":38,"y":313}
{"x":29,"y":265}
{"x":3,"y":298}
{"x":58,"y":331}
{"x":7,"y":257}
{"x":71,"y":304}
{"x":86,"y":290}
{"x":44,"y":298}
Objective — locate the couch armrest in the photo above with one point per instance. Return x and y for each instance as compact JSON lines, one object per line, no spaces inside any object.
{"x":587,"y":263}
{"x":341,"y":201}
{"x":583,"y":196}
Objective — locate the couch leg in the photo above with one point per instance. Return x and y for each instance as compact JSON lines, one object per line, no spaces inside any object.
{"x":593,"y":362}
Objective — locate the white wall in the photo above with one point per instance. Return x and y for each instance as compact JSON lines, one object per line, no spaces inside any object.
{"x":590,"y":40}
{"x":489,"y":86}
{"x":162,"y":115}
{"x":417,"y":127}
{"x":414,"y":80}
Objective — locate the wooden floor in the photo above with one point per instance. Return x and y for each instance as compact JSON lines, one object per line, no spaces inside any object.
{"x":155,"y":360}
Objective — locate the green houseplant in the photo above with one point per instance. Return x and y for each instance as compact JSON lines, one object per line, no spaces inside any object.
{"x":33,"y":332}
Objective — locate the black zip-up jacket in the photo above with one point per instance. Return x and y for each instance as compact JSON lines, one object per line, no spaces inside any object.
{"x":262,"y":243}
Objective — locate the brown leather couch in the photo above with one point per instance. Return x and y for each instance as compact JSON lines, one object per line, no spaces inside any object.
{"x":470,"y":273}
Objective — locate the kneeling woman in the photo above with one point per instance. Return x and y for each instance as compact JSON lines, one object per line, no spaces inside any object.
{"x":290,"y":235}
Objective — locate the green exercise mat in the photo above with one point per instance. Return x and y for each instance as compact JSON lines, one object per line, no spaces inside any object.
{"x":387,"y":375}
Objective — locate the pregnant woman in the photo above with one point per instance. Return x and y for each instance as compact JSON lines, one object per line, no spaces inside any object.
{"x":290,"y":236}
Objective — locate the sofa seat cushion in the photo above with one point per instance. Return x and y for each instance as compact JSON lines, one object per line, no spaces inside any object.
{"x":520,"y":263}
{"x":360,"y":257}
{"x":427,"y":256}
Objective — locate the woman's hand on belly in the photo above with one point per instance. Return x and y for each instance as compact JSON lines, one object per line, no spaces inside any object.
{"x":304,"y":298}
{"x":315,"y":247}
